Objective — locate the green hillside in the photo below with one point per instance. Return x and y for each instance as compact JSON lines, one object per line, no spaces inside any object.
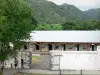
{"x":92,"y":14}
{"x":71,"y":12}
{"x":48,"y":12}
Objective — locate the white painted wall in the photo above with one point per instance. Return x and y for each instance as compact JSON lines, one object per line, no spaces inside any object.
{"x":10,"y":61}
{"x":76,"y":60}
{"x":23,"y":55}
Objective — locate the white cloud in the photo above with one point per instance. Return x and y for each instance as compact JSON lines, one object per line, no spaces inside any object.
{"x":81,"y":4}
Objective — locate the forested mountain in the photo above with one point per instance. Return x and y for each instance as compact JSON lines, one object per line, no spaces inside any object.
{"x":71,"y":12}
{"x":92,"y":14}
{"x":48,"y":12}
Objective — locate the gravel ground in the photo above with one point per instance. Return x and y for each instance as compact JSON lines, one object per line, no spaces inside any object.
{"x":43,"y":64}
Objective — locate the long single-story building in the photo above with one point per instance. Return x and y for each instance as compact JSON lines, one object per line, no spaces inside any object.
{"x":78,"y":50}
{"x":64,"y":40}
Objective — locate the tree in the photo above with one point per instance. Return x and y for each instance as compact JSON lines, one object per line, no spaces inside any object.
{"x":49,"y":27}
{"x":56,"y":27}
{"x":69,"y":25}
{"x":81,"y":25}
{"x":34,"y":22}
{"x":94,"y":24}
{"x":15,"y":25}
{"x":43,"y":27}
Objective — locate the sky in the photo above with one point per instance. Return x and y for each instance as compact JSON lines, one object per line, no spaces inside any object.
{"x":81,"y":4}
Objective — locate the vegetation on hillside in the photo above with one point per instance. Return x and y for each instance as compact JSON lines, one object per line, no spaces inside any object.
{"x":82,"y":25}
{"x":49,"y":27}
{"x":50,"y":13}
{"x":92,"y":14}
{"x":71,"y":25}
{"x":50,"y":16}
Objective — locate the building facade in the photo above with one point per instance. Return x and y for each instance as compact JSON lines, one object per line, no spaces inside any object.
{"x":64,"y":40}
{"x":70,"y":50}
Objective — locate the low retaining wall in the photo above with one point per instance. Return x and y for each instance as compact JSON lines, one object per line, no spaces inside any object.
{"x":75,"y":60}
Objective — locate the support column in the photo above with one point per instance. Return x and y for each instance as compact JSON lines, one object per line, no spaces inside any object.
{"x":84,"y":47}
{"x":40,"y":47}
{"x":47,"y":46}
{"x":53,"y":46}
{"x":80,"y":47}
{"x":70,"y":48}
{"x":67,"y":47}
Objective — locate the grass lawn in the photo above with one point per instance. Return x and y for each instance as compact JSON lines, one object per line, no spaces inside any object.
{"x":0,"y":72}
{"x":47,"y":74}
{"x":35,"y":59}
